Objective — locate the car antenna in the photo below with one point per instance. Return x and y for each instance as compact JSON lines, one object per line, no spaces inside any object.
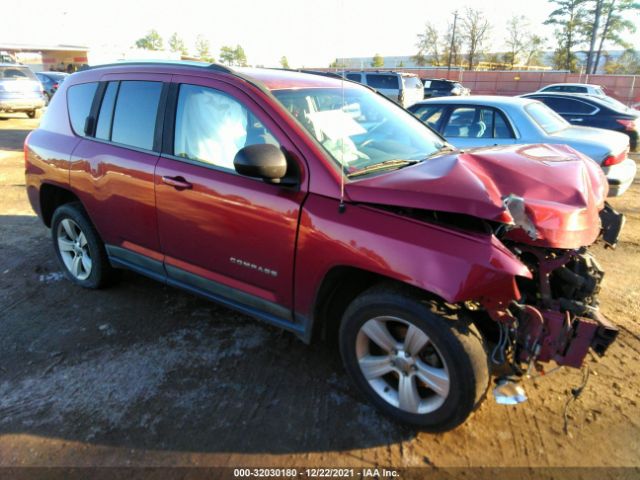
{"x":341,"y":206}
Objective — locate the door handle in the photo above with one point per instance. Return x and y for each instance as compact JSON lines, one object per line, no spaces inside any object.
{"x":178,"y":183}
{"x":576,"y":119}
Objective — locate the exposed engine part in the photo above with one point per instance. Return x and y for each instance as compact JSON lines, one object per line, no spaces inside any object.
{"x":557,"y":315}
{"x":498,"y":354}
{"x":577,"y":283}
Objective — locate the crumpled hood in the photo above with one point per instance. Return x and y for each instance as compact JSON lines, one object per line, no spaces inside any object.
{"x":563,"y":190}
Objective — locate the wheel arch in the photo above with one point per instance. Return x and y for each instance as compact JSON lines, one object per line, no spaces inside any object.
{"x":52,"y":197}
{"x":340,"y":286}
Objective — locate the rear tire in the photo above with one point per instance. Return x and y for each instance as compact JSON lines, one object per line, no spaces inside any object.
{"x":79,"y":248}
{"x":415,"y":362}
{"x":34,"y":113}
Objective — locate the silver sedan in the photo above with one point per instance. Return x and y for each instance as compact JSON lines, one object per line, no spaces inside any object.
{"x":480,"y":121}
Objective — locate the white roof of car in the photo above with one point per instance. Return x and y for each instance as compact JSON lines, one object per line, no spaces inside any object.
{"x":491,"y":100}
{"x":572,"y":85}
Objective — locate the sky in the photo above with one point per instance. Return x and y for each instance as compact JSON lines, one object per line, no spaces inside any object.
{"x":309,"y":33}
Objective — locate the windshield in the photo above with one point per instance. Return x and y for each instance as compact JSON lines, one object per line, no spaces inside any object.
{"x":546,"y":118}
{"x":16,"y":73}
{"x":360,"y":129}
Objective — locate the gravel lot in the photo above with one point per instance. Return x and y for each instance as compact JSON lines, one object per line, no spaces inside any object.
{"x":144,"y":374}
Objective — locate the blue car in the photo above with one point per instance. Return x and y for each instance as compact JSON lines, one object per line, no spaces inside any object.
{"x":484,"y":120}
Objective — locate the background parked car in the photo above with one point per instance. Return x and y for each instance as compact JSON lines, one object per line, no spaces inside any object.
{"x":20,"y":90}
{"x":50,"y":82}
{"x":480,"y":121}
{"x":403,"y":88}
{"x":441,"y":87}
{"x":593,"y":111}
{"x":575,"y":88}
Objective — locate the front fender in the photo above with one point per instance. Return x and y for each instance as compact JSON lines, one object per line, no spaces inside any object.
{"x":452,"y":264}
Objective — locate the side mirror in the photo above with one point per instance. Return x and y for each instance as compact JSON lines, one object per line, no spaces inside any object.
{"x":263,"y":161}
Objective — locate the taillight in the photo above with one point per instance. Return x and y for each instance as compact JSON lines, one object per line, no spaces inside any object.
{"x":401,"y":97}
{"x":55,"y":86}
{"x":629,"y":125}
{"x":614,"y":159}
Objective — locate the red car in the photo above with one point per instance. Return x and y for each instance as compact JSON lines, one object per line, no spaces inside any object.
{"x":319,"y":206}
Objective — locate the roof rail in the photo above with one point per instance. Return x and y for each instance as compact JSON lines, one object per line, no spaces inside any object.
{"x":167,"y":63}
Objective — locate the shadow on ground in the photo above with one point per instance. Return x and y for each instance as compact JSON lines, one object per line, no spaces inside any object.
{"x":148,"y":366}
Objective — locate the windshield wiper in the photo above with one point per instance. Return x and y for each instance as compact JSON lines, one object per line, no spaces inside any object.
{"x":383,"y":166}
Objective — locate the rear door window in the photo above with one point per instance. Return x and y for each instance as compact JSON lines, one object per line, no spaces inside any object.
{"x":477,"y":122}
{"x":381,"y":81}
{"x":568,"y":106}
{"x":79,"y":100}
{"x":134,"y":118}
{"x":430,"y":114}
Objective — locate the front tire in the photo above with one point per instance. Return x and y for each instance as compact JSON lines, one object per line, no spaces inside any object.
{"x":411,"y":360}
{"x":79,"y":249}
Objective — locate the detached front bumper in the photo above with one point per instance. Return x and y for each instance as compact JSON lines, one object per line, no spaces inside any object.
{"x":620,"y":176}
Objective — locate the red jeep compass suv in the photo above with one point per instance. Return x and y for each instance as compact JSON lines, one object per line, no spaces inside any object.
{"x":317,"y":205}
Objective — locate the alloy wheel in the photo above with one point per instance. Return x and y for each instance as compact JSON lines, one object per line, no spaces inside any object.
{"x":402,"y":364}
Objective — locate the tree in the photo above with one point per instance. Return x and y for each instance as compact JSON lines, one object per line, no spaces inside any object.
{"x":614,"y":24}
{"x":284,"y":63}
{"x":428,"y":46}
{"x":475,"y":30}
{"x":177,"y":45}
{"x":533,"y":50}
{"x":378,"y":61}
{"x":591,"y":32}
{"x":203,"y":50}
{"x":568,"y":17}
{"x":227,"y":55}
{"x":233,"y":56}
{"x":240,"y":57}
{"x":628,"y":63}
{"x":151,"y":41}
{"x":337,"y":63}
{"x":457,"y":46}
{"x":517,"y":38}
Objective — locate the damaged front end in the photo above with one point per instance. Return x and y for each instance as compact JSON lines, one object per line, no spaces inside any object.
{"x":557,"y":316}
{"x":546,"y":205}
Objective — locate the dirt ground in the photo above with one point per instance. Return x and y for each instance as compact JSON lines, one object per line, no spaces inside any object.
{"x":144,"y":374}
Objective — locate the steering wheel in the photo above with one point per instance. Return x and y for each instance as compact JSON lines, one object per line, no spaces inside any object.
{"x":373,"y":129}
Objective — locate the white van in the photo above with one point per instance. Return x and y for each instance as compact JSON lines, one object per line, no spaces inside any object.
{"x":403,"y":88}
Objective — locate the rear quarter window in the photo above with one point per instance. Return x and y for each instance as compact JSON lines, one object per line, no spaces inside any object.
{"x":412,"y":82}
{"x":383,"y":81}
{"x":79,"y":100}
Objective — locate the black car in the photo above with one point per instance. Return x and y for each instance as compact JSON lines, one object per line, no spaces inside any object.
{"x":593,"y":111}
{"x":51,"y":81}
{"x":443,"y":88}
